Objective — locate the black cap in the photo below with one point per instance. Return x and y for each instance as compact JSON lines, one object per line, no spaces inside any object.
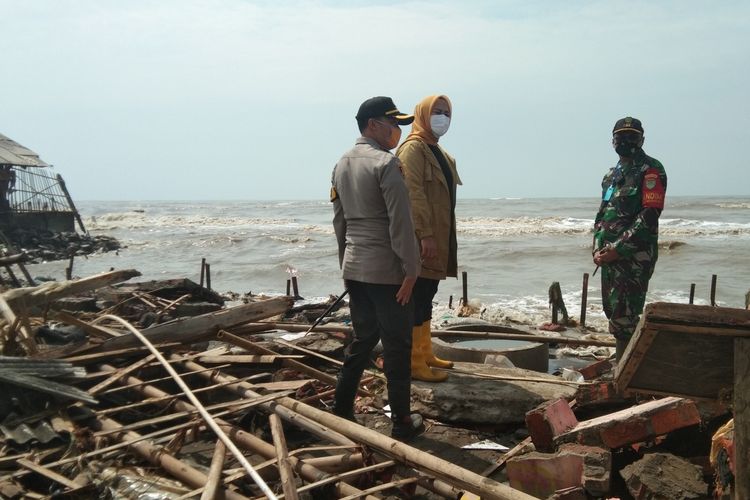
{"x":628,"y":124}
{"x":377,"y":107}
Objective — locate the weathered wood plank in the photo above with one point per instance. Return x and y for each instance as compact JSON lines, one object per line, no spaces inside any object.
{"x":189,"y":330}
{"x":53,"y":290}
{"x":742,"y":417}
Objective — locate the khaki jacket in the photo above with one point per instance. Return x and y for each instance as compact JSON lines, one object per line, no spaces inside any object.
{"x":431,"y":208}
{"x":372,"y":218}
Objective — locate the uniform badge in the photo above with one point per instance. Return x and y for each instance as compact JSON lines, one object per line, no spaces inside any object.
{"x":334,"y":194}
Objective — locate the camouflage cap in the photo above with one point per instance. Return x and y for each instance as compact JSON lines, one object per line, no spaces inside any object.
{"x":628,"y":124}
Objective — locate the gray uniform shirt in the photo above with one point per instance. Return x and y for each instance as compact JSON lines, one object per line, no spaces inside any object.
{"x":372,"y":216}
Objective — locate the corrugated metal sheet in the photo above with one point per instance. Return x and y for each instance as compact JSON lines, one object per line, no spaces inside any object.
{"x":12,"y":153}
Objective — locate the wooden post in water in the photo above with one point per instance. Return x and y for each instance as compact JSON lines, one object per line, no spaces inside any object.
{"x":692,"y":293}
{"x":70,"y":202}
{"x":69,"y":269}
{"x":208,"y":276}
{"x":203,"y":271}
{"x":288,"y":287}
{"x":295,"y":287}
{"x":465,"y":280}
{"x":584,"y":298}
{"x":450,"y":302}
{"x":713,"y":290}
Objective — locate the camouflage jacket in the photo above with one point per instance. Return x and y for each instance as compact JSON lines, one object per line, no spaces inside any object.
{"x":632,"y":200}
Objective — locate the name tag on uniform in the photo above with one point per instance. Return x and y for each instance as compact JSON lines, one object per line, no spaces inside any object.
{"x":608,"y":194}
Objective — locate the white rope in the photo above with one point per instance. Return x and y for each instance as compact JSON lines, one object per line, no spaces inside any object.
{"x":206,"y":416}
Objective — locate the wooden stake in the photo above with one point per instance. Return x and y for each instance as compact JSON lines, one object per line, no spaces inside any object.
{"x":713,"y":290}
{"x":584,"y":298}
{"x":69,"y":269}
{"x":295,"y":287}
{"x":208,"y":276}
{"x":465,"y":282}
{"x":288,"y":288}
{"x":692,"y":293}
{"x":203,"y":271}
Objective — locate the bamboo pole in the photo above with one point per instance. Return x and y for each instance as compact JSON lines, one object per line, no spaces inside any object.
{"x":434,"y":466}
{"x":424,"y":461}
{"x":243,"y":438}
{"x":214,"y":472}
{"x":285,"y":468}
{"x":194,"y":400}
{"x":159,"y":457}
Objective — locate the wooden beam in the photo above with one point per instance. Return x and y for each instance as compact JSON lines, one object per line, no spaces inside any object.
{"x":53,"y":290}
{"x":742,"y":417}
{"x":187,"y":330}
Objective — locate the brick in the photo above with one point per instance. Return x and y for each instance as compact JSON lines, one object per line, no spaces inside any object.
{"x":595,"y":369}
{"x":639,"y":423}
{"x":602,"y":392}
{"x":573,"y":466}
{"x":547,"y":421}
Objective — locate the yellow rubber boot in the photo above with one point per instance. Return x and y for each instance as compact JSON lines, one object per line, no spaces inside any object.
{"x":419,"y":368}
{"x":426,"y":345}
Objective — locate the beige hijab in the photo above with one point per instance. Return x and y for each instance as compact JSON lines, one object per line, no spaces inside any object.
{"x":420,"y":128}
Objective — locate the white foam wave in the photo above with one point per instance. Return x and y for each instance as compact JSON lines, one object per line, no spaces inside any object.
{"x":507,"y":226}
{"x":688,"y":227}
{"x":136,"y":220}
{"x":733,"y":205}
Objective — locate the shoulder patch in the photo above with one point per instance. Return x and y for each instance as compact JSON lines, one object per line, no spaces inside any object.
{"x":653,"y":190}
{"x":334,"y":194}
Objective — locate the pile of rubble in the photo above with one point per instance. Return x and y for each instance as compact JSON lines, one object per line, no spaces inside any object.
{"x":158,"y":389}
{"x":41,"y":245}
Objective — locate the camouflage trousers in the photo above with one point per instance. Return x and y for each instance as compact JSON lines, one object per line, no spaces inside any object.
{"x":624,"y":286}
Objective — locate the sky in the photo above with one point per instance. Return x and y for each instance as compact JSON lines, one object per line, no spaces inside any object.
{"x":244,"y":100}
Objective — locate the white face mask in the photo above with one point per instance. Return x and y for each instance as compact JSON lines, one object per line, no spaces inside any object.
{"x":439,"y":124}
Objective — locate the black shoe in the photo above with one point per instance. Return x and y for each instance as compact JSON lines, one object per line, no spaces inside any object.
{"x":407,"y":427}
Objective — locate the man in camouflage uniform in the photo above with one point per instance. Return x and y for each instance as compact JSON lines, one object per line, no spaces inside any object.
{"x":626,"y":229}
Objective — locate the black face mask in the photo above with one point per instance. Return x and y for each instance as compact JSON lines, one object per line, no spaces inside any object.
{"x":626,"y":149}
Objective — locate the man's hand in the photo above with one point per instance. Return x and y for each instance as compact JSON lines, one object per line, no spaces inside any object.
{"x":605,"y":256}
{"x":429,"y":248}
{"x":404,"y":293}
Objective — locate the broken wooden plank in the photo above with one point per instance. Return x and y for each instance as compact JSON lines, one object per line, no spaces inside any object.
{"x":53,"y":290}
{"x":188,"y":330}
{"x":49,"y":474}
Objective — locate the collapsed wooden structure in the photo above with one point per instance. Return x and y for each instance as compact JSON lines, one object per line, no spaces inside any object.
{"x":116,"y":404}
{"x":700,"y":352}
{"x":31,"y":194}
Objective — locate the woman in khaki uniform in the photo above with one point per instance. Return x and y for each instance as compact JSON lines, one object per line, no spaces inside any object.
{"x":432,"y":178}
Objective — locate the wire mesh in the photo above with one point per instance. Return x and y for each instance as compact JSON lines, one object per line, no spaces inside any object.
{"x":32,"y":190}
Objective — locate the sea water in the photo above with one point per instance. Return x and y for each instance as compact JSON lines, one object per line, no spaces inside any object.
{"x":512,"y":249}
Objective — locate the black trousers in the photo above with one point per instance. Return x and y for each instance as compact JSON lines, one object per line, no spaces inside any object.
{"x":422,"y":295}
{"x":377,"y":316}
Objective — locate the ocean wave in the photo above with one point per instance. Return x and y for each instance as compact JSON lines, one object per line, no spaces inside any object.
{"x":509,"y":226}
{"x":137,"y":220}
{"x":733,"y":205}
{"x":689,"y":227}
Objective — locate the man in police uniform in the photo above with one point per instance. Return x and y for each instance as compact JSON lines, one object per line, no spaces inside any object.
{"x":627,"y":229}
{"x":379,"y":256}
